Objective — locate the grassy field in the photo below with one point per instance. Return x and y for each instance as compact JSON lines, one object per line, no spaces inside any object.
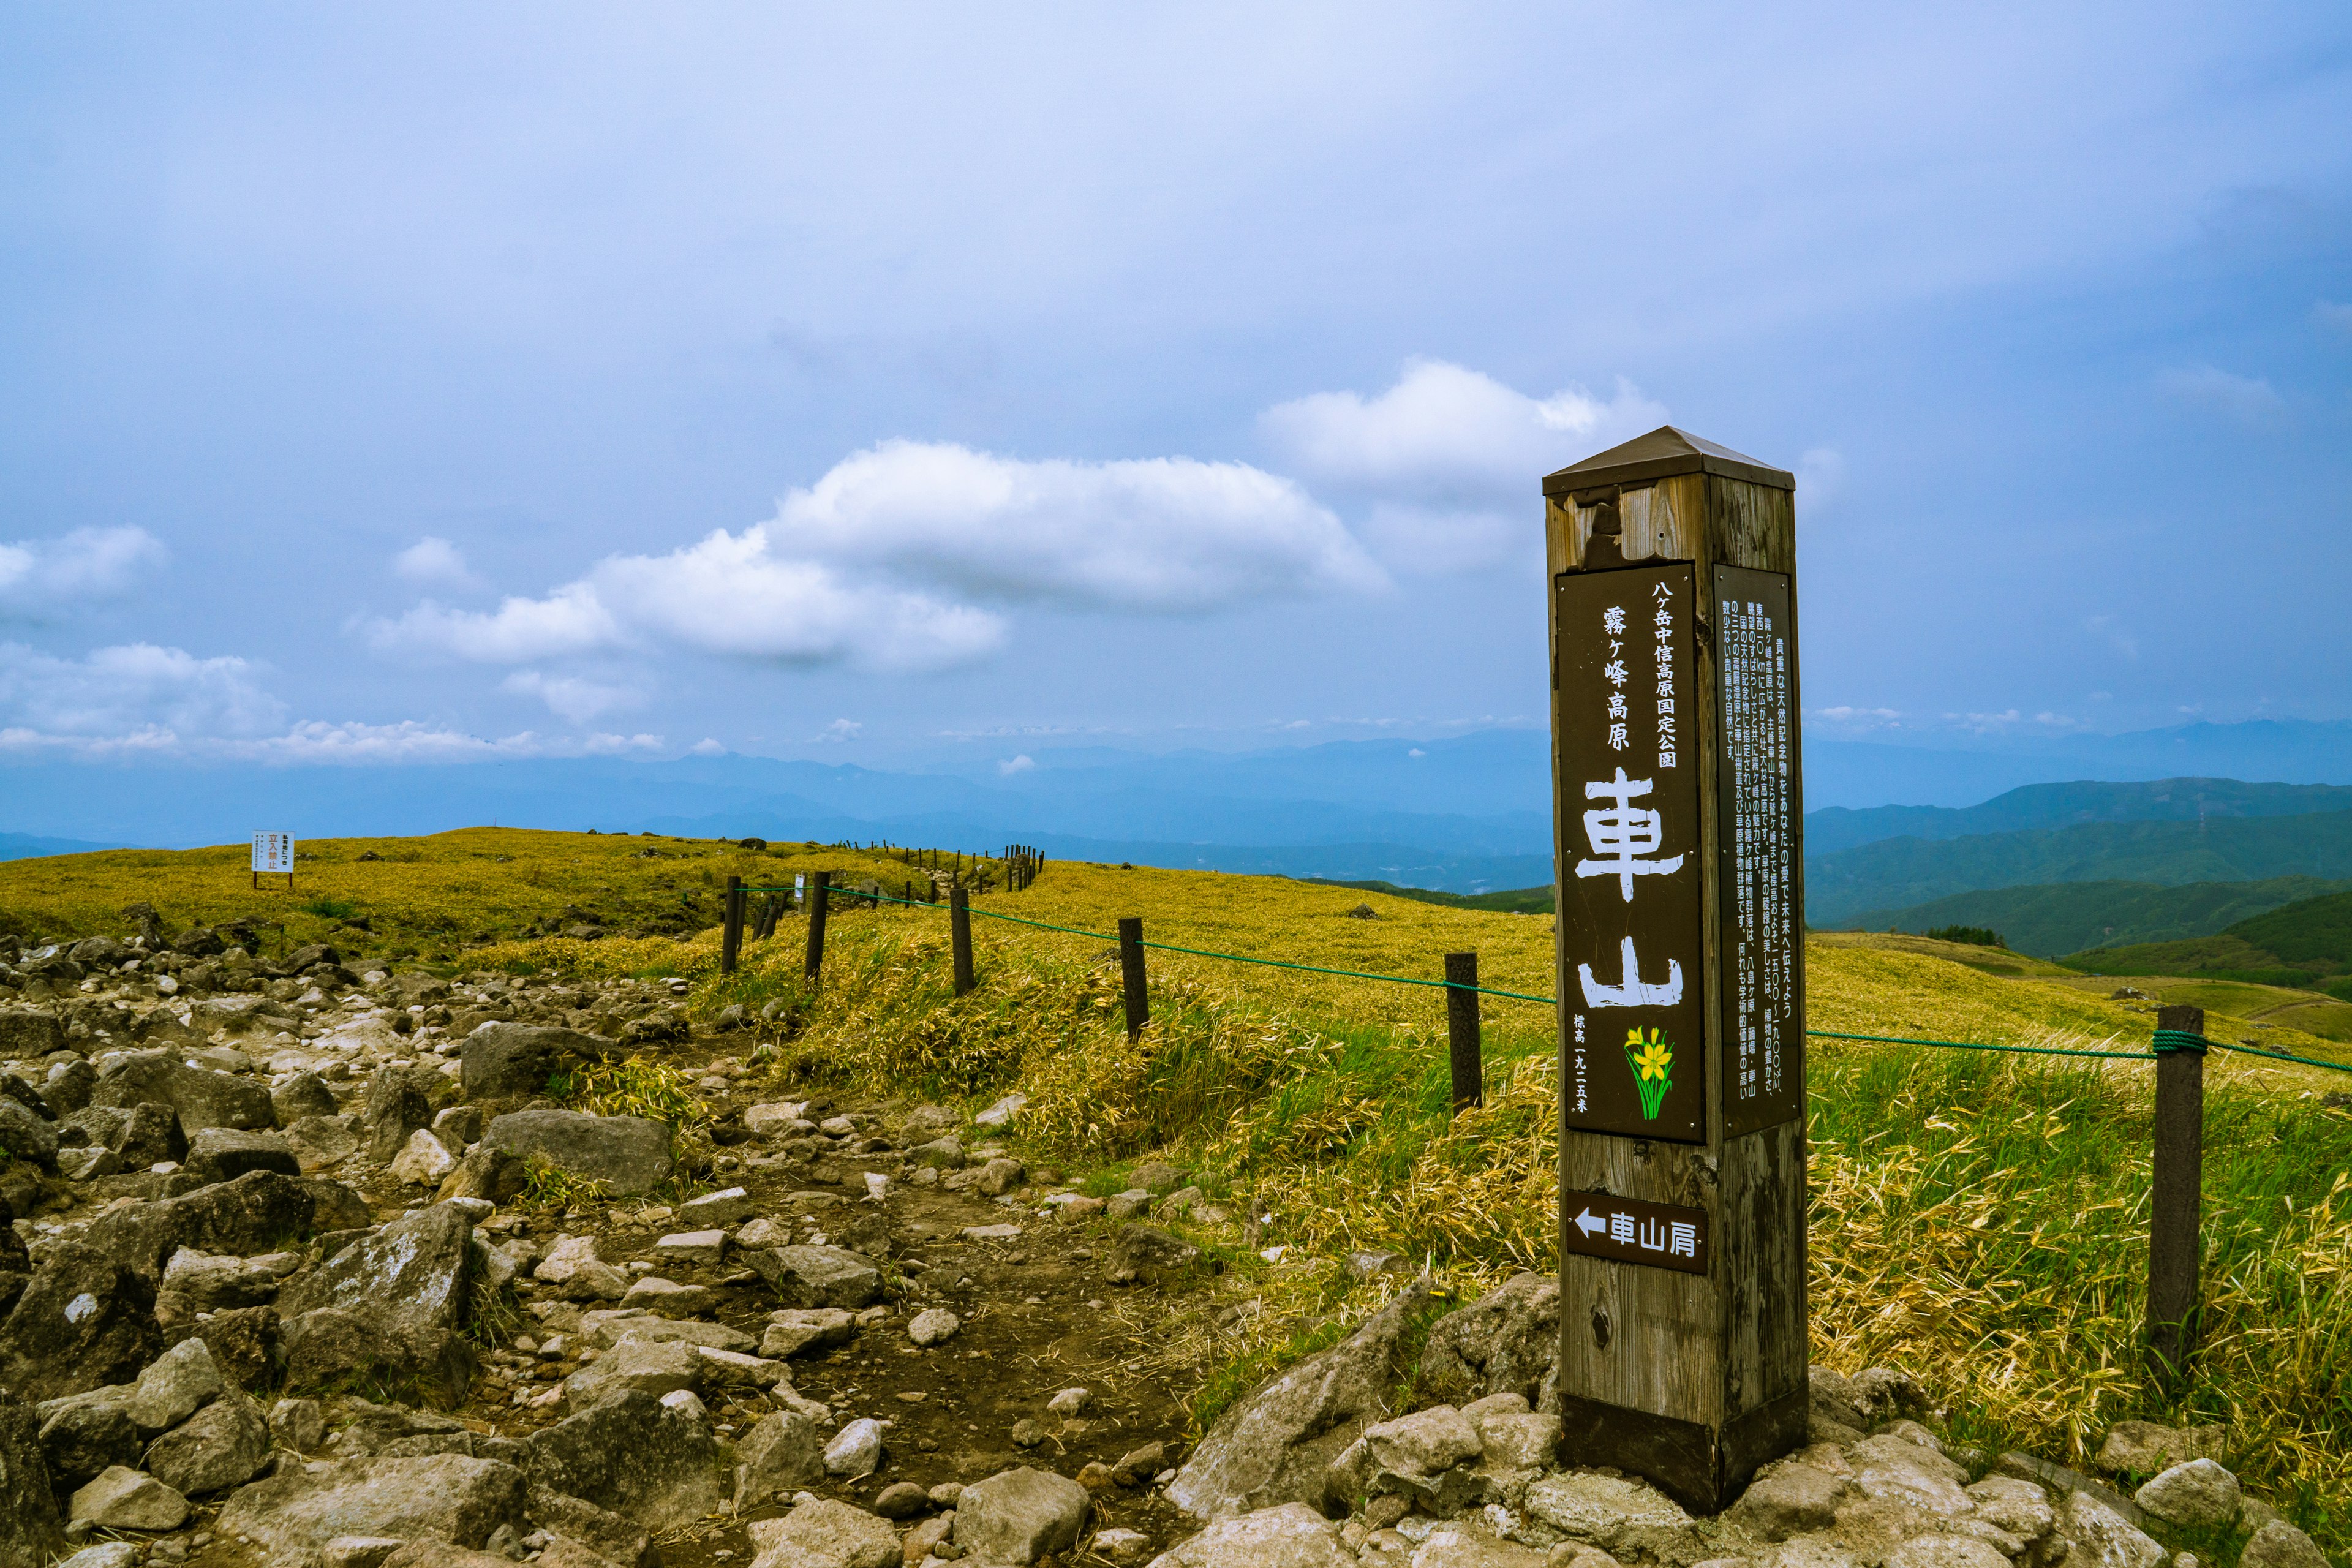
{"x":1976,"y":1218}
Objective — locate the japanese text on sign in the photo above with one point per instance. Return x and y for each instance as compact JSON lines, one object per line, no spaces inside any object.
{"x":273,"y":852}
{"x":1631,"y":1230}
{"x":1630,"y":882}
{"x":1763,"y":1077}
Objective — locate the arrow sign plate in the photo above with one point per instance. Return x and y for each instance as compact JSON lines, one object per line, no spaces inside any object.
{"x":1628,"y":1230}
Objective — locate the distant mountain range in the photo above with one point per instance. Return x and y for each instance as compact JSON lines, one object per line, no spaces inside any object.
{"x":1468,"y":814}
{"x":2306,"y":944}
{"x":26,"y":847}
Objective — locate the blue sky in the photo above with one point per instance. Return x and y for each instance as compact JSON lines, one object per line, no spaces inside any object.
{"x":424,"y":383}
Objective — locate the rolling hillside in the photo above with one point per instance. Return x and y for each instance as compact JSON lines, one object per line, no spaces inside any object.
{"x":2307,"y":943}
{"x":2051,"y":805}
{"x":1901,"y":873}
{"x":2048,"y":918}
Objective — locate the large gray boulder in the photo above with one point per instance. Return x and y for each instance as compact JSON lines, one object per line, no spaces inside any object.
{"x":257,"y":1212}
{"x":225,"y":1154}
{"x":635,"y":1456}
{"x":1273,"y":1445}
{"x":441,"y":1496}
{"x":176,"y":1385}
{"x":140,"y":1135}
{"x":84,"y":1320}
{"x":817,"y":1276}
{"x":629,"y":1155}
{"x":1504,"y":1342}
{"x":616,"y":1540}
{"x":26,"y":1135}
{"x":220,"y":1446}
{"x":83,"y":1436}
{"x":304,"y":1094}
{"x":332,"y":1347}
{"x":28,"y":1034}
{"x":504,"y":1059}
{"x":199,"y":1096}
{"x":120,"y":1497}
{"x":32,"y":1531}
{"x":1020,"y":1515}
{"x":416,"y":1266}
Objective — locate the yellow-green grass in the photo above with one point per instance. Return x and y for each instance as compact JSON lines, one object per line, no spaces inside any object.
{"x":431,"y":899}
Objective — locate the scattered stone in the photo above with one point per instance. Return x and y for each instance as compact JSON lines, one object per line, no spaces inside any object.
{"x":304,"y":1094}
{"x":106,"y":1553}
{"x":608,"y":1329}
{"x":765,"y":1120}
{"x":423,"y":1161}
{"x":1003,"y":1113}
{"x":648,"y":1366}
{"x":2278,"y":1544}
{"x":818,"y":1276}
{"x":667,"y":1298}
{"x":1070,"y":1401}
{"x":1122,"y":1546}
{"x":1156,"y":1176}
{"x":493,"y":1176}
{"x":122,"y":1499}
{"x":2195,"y":1494}
{"x":573,"y":1264}
{"x":1124,"y":1206}
{"x":926,"y":1537}
{"x":1291,"y":1535}
{"x":1145,"y":1250}
{"x":1140,"y":1465}
{"x":1020,"y":1515}
{"x":32,"y":1531}
{"x":88,"y":1434}
{"x":630,"y":1155}
{"x":933,"y":1325}
{"x":1602,"y":1509}
{"x":1426,"y":1442}
{"x":732,"y":1206}
{"x":2144,"y":1448}
{"x":820,"y":1534}
{"x":1272,"y":1446}
{"x":2099,"y":1537}
{"x":795,"y":1330}
{"x":502,"y":1058}
{"x":299,"y":1424}
{"x":783,"y":1453}
{"x":856,"y":1451}
{"x":176,"y":1385}
{"x":1944,"y":1552}
{"x":1504,"y":1342}
{"x":332,"y":1346}
{"x":902,"y":1499}
{"x":221,"y":1446}
{"x":691,"y":1246}
{"x":1791,"y":1497}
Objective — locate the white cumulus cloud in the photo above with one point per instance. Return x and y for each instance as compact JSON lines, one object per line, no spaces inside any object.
{"x":41,"y":577}
{"x":1446,"y":463}
{"x":433,"y":561}
{"x":132,"y":690}
{"x":1443,"y":427}
{"x":572,"y":696}
{"x":1159,"y":535}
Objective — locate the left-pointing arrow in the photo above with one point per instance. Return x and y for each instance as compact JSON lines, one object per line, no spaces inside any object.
{"x":1588,"y":1225}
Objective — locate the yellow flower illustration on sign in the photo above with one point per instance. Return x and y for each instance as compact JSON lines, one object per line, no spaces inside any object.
{"x":1652,"y":1058}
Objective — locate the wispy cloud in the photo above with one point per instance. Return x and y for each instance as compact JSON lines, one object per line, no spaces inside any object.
{"x":42,"y":579}
{"x":2240,"y":396}
{"x":433,"y":562}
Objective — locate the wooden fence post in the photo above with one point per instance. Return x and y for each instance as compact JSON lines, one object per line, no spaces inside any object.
{"x":1461,"y":1030}
{"x":2176,"y":1196}
{"x":820,"y":884}
{"x":1130,"y":971}
{"x":960,"y":937}
{"x":730,"y":943}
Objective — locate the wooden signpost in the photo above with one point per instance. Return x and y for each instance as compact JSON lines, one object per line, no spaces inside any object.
{"x":1677,"y":818}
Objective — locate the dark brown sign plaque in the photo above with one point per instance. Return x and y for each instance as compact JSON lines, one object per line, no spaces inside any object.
{"x":1763,"y":1022}
{"x":1630,"y":862}
{"x":1633,"y":1230}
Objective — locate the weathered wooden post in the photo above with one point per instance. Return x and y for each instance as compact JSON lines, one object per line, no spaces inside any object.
{"x":2178,"y":1190}
{"x":1677,"y":818}
{"x":820,"y":884}
{"x":731,"y":940}
{"x":1461,"y":1030}
{"x":1130,"y":973}
{"x":959,"y":937}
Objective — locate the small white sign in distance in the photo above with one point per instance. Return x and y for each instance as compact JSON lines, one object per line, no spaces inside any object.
{"x":273,"y":852}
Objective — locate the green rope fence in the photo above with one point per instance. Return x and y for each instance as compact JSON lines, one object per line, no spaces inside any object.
{"x":2167,"y":1041}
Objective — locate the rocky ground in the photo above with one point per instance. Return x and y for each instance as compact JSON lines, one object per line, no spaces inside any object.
{"x":305,"y":1270}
